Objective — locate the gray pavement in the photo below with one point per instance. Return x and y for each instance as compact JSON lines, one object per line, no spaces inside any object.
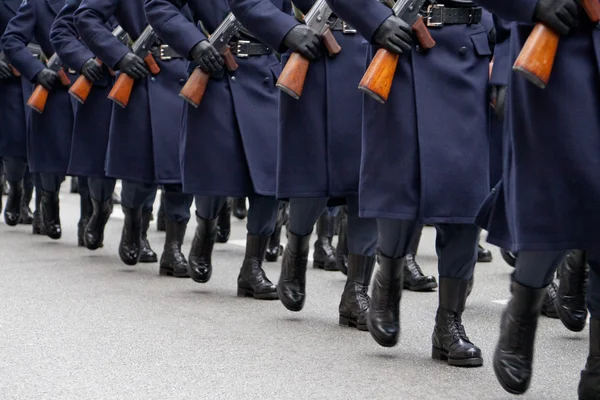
{"x":76,"y":324}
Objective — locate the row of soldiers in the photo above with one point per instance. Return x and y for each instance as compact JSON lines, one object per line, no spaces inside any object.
{"x":423,"y":157}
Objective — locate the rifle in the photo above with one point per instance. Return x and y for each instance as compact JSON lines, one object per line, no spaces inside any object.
{"x":13,"y":69}
{"x":377,"y":80}
{"x":39,"y":97}
{"x":194,"y":88}
{"x":291,"y":80}
{"x":536,"y":59}
{"x":121,"y":91}
{"x":82,"y":87}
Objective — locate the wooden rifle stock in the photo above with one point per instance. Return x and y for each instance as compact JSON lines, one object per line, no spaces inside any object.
{"x":293,"y":75}
{"x":377,"y":80}
{"x":536,"y":59}
{"x":121,"y":91}
{"x":39,"y":97}
{"x":14,"y":71}
{"x":82,"y":87}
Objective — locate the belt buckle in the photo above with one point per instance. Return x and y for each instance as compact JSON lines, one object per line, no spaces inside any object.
{"x":164,"y":57}
{"x":239,"y":51}
{"x":347,"y":29}
{"x":430,"y":10}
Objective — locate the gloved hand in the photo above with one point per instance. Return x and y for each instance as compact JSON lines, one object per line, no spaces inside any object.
{"x":208,"y":58}
{"x":560,"y":15}
{"x":92,"y":70}
{"x":498,"y":100}
{"x":5,"y":71}
{"x":133,"y":66}
{"x":492,"y":39}
{"x":394,"y":35}
{"x":47,"y":78}
{"x":305,"y":41}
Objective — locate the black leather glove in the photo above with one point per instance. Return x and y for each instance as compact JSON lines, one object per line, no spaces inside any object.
{"x":5,"y":71}
{"x":498,"y":100}
{"x":394,"y":35}
{"x":47,"y":78}
{"x":304,"y":40}
{"x":92,"y":70}
{"x":208,"y":58}
{"x":560,"y":15}
{"x":492,"y":39}
{"x":133,"y":66}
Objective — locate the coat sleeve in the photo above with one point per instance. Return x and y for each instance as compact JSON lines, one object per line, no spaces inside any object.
{"x":90,"y":19}
{"x":265,"y":20}
{"x":364,"y":15}
{"x":19,"y":33}
{"x":65,"y":38}
{"x":172,"y":26}
{"x":512,"y":10}
{"x":502,"y":56}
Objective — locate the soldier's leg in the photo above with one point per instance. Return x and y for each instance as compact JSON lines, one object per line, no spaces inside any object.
{"x":570,"y":299}
{"x":224,"y":222}
{"x":274,"y":248}
{"x":324,"y":254}
{"x":513,"y":357}
{"x":589,"y":384}
{"x":85,"y":207}
{"x":456,"y":246}
{"x":134,"y":199}
{"x":147,"y":255}
{"x":101,"y":190}
{"x":14,"y":172}
{"x":414,"y":279}
{"x":292,"y":280}
{"x":341,"y":250}
{"x":177,"y":215}
{"x":36,"y":226}
{"x":252,"y":280}
{"x":483,"y":254}
{"x":200,"y":258}
{"x":362,"y":244}
{"x":239,"y":207}
{"x":161,"y":224}
{"x":50,"y":209}
{"x":26,"y":216}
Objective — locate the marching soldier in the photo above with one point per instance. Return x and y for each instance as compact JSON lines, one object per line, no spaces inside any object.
{"x":425,"y":159}
{"x":49,"y":139}
{"x":238,"y":119}
{"x":142,"y":146}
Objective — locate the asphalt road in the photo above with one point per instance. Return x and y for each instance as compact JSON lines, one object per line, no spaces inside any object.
{"x":76,"y":324}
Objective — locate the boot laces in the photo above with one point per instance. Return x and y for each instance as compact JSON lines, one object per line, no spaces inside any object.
{"x":457,"y":330}
{"x":414,"y":266}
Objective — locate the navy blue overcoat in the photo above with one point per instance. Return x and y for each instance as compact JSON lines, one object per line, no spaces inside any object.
{"x":14,"y":93}
{"x":49,"y":139}
{"x":547,"y":199}
{"x":92,"y":119}
{"x":143,"y":143}
{"x":229,"y":143}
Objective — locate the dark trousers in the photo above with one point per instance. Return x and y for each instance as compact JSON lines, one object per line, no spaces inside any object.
{"x":536,"y":269}
{"x":101,"y":189}
{"x":136,"y":194}
{"x":456,"y":245}
{"x":14,"y":168}
{"x":362,"y":233}
{"x":262,"y":213}
{"x":50,"y":182}
{"x":176,"y":203}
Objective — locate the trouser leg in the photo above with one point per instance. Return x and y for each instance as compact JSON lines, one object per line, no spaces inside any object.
{"x":101,"y":190}
{"x":136,"y":199}
{"x":200,"y":257}
{"x":177,"y":212}
{"x":456,"y":247}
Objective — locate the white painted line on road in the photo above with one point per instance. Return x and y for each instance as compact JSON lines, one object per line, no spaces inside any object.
{"x":502,"y":302}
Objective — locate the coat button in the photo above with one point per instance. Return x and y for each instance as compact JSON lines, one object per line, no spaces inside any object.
{"x":418,"y":48}
{"x":182,"y":81}
{"x":462,"y":51}
{"x":233,"y":78}
{"x":153,"y":79}
{"x":267,"y":79}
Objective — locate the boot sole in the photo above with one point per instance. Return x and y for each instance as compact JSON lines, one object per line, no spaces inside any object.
{"x":290,"y":306}
{"x":328,"y":267}
{"x":351,"y":323}
{"x":381,"y":341}
{"x":504,"y":385}
{"x":438,"y":354}
{"x":567,"y":322}
{"x":149,"y":260}
{"x":241,"y":292}
{"x":422,"y":288}
{"x":485,"y":260}
{"x":167,"y":272}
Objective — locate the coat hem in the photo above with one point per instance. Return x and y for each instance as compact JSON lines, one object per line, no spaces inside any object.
{"x":295,"y":195}
{"x":539,"y":246}
{"x":142,"y":180}
{"x":226,"y":193}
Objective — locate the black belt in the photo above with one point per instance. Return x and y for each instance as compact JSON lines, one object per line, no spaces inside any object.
{"x":247,"y":48}
{"x":164,"y":52}
{"x":438,"y":15}
{"x":339,"y":25}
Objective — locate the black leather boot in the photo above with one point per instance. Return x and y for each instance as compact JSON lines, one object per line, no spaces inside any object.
{"x":292,"y":280}
{"x":483,"y":255}
{"x":12,"y":211}
{"x":449,"y":339}
{"x":50,"y":215}
{"x":172,"y":261}
{"x":74,"y":185}
{"x":147,"y":255}
{"x":200,"y":258}
{"x":239,"y":208}
{"x":252,"y":280}
{"x":341,"y":250}
{"x":589,"y":385}
{"x":383,"y":319}
{"x":94,"y":231}
{"x":36,"y":225}
{"x":324,"y":255}
{"x":224,"y":222}
{"x":570,"y":301}
{"x":26,"y":216}
{"x":513,"y":357}
{"x":86,"y":211}
{"x":131,"y":236}
{"x":274,"y":248}
{"x":161,"y":223}
{"x":549,"y":304}
{"x":355,"y":302}
{"x":414,"y":279}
